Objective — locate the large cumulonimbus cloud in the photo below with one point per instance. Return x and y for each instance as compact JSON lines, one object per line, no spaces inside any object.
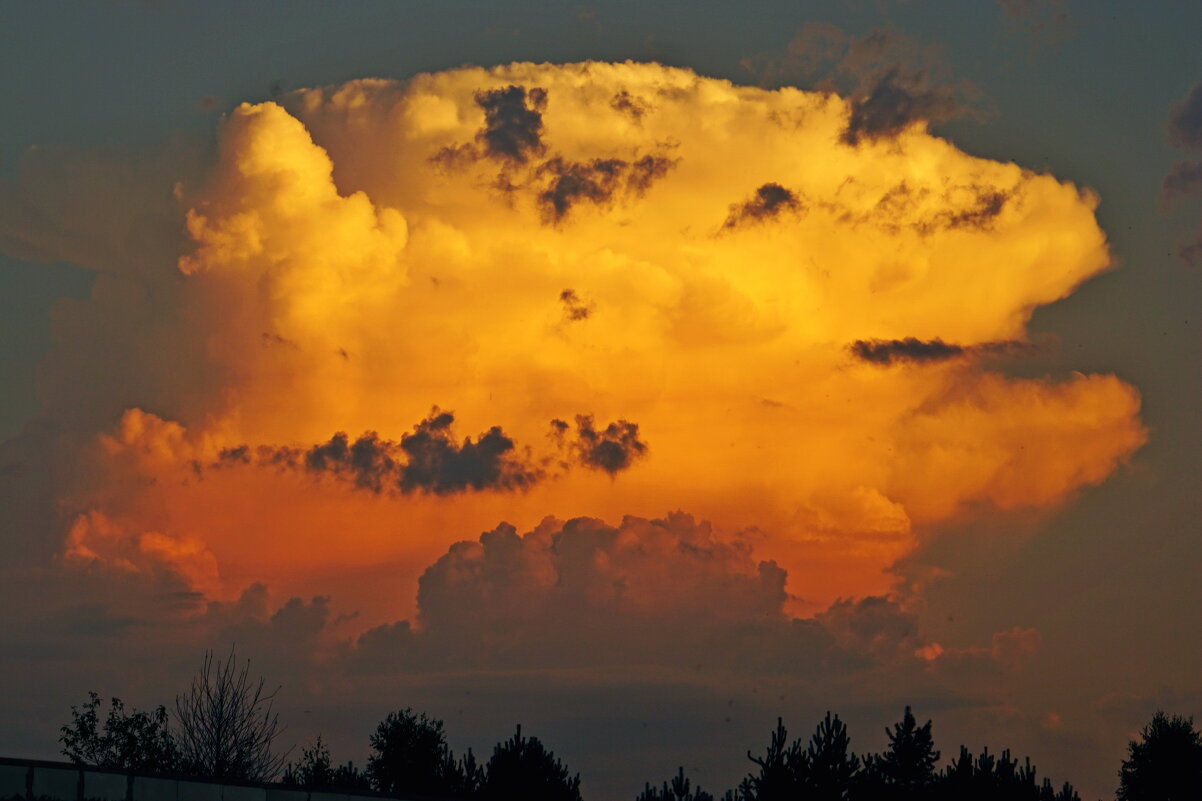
{"x":525,"y":242}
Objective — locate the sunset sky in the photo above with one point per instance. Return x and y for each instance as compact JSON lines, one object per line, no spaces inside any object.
{"x":636,"y":372}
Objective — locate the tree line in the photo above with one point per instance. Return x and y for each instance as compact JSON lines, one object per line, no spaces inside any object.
{"x":225,"y":728}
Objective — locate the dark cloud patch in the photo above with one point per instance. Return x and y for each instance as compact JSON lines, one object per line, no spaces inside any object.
{"x":768,"y":202}
{"x":513,"y":122}
{"x":981,"y":215}
{"x":889,"y":351}
{"x":573,"y":307}
{"x":1183,"y":180}
{"x":270,"y":338}
{"x":647,"y":170}
{"x":1185,"y":121}
{"x":572,"y":182}
{"x":1048,"y":19}
{"x":895,"y":100}
{"x":976,"y":207}
{"x":1191,"y":252}
{"x":911,"y":350}
{"x":281,"y":458}
{"x":369,"y":461}
{"x":512,"y":134}
{"x":237,"y":455}
{"x":430,"y":459}
{"x":612,"y":449}
{"x":628,"y":104}
{"x":890,"y":79}
{"x":438,"y":464}
{"x":569,"y":183}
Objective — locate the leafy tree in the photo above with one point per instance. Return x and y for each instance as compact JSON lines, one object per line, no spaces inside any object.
{"x":315,"y":771}
{"x":1165,"y":764}
{"x":133,"y":740}
{"x":522,"y":768}
{"x":906,"y":770}
{"x":830,"y":767}
{"x":226,"y":726}
{"x":411,"y":755}
{"x":678,"y":790}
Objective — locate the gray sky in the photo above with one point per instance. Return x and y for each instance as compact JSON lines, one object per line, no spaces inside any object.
{"x":1105,"y":576}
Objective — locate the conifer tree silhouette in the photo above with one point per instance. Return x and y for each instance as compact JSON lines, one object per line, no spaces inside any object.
{"x":679,"y":790}
{"x":830,"y":767}
{"x":522,"y":768}
{"x":781,"y":769}
{"x":905,"y":771}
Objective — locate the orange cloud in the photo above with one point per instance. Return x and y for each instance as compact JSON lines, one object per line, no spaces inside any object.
{"x":361,"y":253}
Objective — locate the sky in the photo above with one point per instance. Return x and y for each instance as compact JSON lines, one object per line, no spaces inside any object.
{"x":635,"y":372}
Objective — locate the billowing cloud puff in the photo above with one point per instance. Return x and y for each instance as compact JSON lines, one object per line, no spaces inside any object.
{"x":525,"y":242}
{"x":1185,"y":122}
{"x":670,"y":593}
{"x":1185,"y":178}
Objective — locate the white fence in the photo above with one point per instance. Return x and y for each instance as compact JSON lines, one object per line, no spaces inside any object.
{"x":22,"y":780}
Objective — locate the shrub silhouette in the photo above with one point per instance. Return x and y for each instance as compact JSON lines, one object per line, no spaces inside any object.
{"x":315,"y":771}
{"x":136,"y":741}
{"x":1165,"y":764}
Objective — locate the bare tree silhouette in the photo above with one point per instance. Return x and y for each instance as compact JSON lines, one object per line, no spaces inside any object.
{"x":226,"y":725}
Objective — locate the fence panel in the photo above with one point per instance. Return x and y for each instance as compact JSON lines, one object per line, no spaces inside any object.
{"x":150,"y":789}
{"x":57,"y":783}
{"x":12,"y":781}
{"x":104,"y":786}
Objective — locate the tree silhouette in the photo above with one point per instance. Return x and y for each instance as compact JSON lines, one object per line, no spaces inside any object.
{"x":521,"y":768}
{"x":906,"y":769}
{"x":226,"y":726}
{"x":781,"y":769}
{"x":996,"y":778}
{"x":465,"y":776}
{"x":411,"y":756}
{"x":315,"y":771}
{"x":830,"y":766}
{"x":678,"y":790}
{"x":134,"y":740}
{"x":1166,"y":764}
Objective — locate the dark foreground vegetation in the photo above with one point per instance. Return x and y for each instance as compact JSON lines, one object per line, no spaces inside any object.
{"x":225,"y":728}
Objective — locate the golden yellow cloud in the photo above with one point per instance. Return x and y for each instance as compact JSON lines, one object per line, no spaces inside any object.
{"x":630,"y":241}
